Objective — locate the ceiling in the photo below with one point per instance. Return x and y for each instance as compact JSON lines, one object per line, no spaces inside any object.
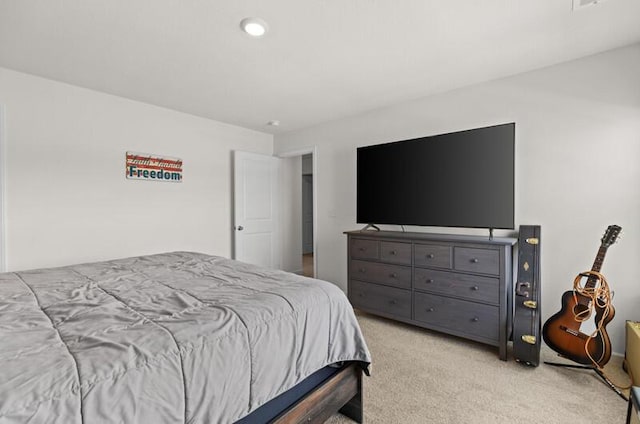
{"x":321,"y":60}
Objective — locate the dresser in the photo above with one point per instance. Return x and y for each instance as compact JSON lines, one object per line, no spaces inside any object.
{"x":456,"y":284}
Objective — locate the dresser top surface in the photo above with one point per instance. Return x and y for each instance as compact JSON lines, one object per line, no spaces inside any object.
{"x":408,"y":236}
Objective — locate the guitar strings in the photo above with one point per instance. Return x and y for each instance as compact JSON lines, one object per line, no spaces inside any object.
{"x":600,"y":296}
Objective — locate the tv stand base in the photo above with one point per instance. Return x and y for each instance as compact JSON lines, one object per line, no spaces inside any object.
{"x":374,"y":226}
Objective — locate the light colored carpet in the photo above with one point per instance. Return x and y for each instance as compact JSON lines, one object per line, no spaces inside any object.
{"x":420,"y":376}
{"x":307,"y":265}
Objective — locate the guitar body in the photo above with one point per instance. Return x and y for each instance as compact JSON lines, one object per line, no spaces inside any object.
{"x":562,"y":333}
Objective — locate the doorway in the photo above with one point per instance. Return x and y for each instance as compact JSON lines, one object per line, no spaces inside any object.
{"x":304,"y":204}
{"x":307,"y":216}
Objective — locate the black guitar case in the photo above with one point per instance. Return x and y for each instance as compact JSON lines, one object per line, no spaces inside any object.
{"x":526,"y":319}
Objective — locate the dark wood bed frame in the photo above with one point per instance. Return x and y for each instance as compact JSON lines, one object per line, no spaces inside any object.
{"x":340,"y":393}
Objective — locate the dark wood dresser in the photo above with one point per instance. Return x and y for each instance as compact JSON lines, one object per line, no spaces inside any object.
{"x":456,"y":284}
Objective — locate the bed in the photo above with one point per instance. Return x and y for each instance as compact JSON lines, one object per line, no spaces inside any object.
{"x":178,"y":337}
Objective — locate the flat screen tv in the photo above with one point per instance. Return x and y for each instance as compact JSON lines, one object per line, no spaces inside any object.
{"x":459,"y":179}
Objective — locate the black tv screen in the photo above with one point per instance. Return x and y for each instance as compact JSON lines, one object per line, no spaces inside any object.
{"x":459,"y":179}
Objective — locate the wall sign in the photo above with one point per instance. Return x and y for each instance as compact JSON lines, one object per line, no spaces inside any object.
{"x":143,"y":166}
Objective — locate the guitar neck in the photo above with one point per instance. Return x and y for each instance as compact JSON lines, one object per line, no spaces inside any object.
{"x":597,"y":266}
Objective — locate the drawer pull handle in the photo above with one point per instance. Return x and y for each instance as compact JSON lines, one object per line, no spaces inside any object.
{"x":362,"y":249}
{"x":362,"y":270}
{"x":431,"y":256}
{"x":475,"y":319}
{"x":393,"y":252}
{"x":474,"y":260}
{"x":475,"y":288}
{"x":361,"y":295}
{"x":429,"y":281}
{"x":393,"y":302}
{"x":430,"y":310}
{"x":394,"y":275}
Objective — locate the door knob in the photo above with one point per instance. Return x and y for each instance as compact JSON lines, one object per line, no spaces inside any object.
{"x":240,"y":228}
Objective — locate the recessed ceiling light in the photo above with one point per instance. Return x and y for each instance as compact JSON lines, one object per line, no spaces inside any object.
{"x":255,"y":27}
{"x":580,"y":4}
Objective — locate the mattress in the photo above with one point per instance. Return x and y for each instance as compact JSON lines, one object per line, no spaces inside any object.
{"x":179,"y":337}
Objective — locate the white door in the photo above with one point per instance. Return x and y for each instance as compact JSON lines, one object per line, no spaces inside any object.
{"x":256,"y":209}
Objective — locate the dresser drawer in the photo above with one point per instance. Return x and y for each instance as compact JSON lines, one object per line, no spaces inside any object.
{"x":458,"y":315}
{"x":471,"y":287}
{"x":364,"y":249}
{"x":484,"y":261}
{"x":432,"y":255}
{"x":373,"y":272}
{"x":387,"y":300}
{"x":398,"y":253}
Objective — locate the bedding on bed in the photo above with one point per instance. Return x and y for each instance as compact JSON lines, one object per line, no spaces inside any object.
{"x":170,"y":338}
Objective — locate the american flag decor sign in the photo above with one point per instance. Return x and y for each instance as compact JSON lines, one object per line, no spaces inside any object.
{"x":142,"y":166}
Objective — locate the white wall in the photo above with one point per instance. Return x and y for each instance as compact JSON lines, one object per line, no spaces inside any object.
{"x":577,"y":166}
{"x":291,"y":213}
{"x":67,"y":199}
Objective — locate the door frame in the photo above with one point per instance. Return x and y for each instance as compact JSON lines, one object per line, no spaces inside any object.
{"x":313,"y":150}
{"x":3,"y":167}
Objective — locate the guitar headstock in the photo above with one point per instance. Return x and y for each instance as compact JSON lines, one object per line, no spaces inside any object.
{"x":611,"y":235}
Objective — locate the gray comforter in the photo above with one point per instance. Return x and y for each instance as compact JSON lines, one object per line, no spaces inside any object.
{"x":170,"y":338}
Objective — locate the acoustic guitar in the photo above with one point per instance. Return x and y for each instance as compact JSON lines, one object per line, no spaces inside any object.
{"x":562,"y":332}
